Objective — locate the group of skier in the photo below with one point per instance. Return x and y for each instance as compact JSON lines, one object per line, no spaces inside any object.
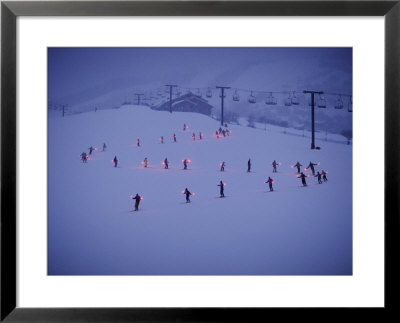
{"x":174,"y":138}
{"x":321,"y":176}
{"x":223,"y":132}
{"x":221,"y":191}
{"x":85,"y":156}
{"x":220,"y":131}
{"x":165,"y":163}
{"x":200,"y":136}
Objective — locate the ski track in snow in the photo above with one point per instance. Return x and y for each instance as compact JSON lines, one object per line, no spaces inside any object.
{"x":294,"y":230}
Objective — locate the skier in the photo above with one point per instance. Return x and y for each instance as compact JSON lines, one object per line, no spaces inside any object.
{"x":138,"y":142}
{"x":166,"y":163}
{"x":311,"y":165}
{"x":185,"y":164}
{"x":187,"y":193}
{"x":298,"y":165}
{"x":222,"y":166}
{"x":221,"y":189}
{"x":104,"y":147}
{"x":115,"y":161}
{"x":274,"y":163}
{"x":324,"y":176}
{"x":270,"y":182}
{"x":303,"y":178}
{"x":227,"y":132}
{"x":194,"y":136}
{"x":145,"y":161}
{"x":216,"y":133}
{"x":184,"y":127}
{"x":223,"y":132}
{"x":174,"y":137}
{"x":248,"y":166}
{"x":200,"y":135}
{"x":162,"y":139}
{"x":219,"y":130}
{"x":90,"y":150}
{"x":84,"y":157}
{"x":319,"y":178}
{"x":138,"y":198}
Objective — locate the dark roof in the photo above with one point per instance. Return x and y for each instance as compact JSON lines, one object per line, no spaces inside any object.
{"x":201,"y":105}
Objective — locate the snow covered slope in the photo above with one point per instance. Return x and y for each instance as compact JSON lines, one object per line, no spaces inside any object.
{"x":294,"y":230}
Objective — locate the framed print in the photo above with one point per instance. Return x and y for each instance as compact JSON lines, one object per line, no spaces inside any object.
{"x":198,"y":160}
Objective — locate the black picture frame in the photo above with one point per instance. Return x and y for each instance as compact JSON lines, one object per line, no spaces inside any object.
{"x":10,"y":10}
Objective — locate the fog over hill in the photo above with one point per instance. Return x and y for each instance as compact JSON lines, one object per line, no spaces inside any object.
{"x":104,"y":78}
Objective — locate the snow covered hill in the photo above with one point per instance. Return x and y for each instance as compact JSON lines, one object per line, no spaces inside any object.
{"x":294,"y":230}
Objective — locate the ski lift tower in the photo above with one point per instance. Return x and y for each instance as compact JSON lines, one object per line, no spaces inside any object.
{"x":63,"y":108}
{"x":312,"y":115}
{"x":170,"y":95}
{"x":223,"y":88}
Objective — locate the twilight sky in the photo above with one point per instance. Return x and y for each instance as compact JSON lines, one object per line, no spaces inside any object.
{"x":82,"y":74}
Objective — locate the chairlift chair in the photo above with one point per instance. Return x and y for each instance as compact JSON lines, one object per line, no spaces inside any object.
{"x":252,"y":98}
{"x":236,"y":96}
{"x":209,"y":93}
{"x":198,"y":93}
{"x":295,"y":100}
{"x":321,"y":102}
{"x":288,"y":101}
{"x":339,"y":103}
{"x":350,"y":105}
{"x":269,"y":99}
